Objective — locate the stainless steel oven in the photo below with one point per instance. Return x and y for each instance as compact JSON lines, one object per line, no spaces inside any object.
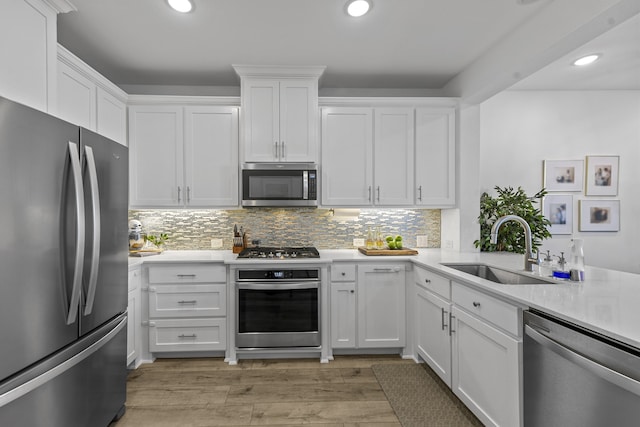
{"x":277,"y":308}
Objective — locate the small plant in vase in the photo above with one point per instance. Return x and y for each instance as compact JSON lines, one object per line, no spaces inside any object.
{"x":158,"y":240}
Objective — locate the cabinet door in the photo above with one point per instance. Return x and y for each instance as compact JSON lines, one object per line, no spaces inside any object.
{"x":211,"y":156}
{"x":260,"y":103}
{"x":432,"y":332}
{"x":76,"y":97}
{"x":347,"y":137}
{"x":29,"y":42}
{"x":156,"y":156}
{"x":133,"y":313}
{"x":112,"y":117}
{"x":486,"y":370}
{"x":298,"y":121}
{"x":343,"y":315}
{"x":393,"y":156}
{"x":435,"y":157}
{"x":381,"y":306}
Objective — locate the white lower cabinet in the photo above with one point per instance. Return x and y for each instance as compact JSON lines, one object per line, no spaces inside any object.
{"x":432,"y":335}
{"x":473,"y":342}
{"x":486,"y":359}
{"x":187,"y":307}
{"x":134,"y":326}
{"x":368,"y":308}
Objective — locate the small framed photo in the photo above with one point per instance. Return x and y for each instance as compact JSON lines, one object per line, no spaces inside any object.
{"x":558,"y":209}
{"x":563,"y":175}
{"x":602,"y":175}
{"x":599,"y":215}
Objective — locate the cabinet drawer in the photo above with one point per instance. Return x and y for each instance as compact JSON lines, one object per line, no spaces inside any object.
{"x":498,"y":312}
{"x":187,"y":300}
{"x":187,"y":273}
{"x":187,"y":335}
{"x":343,"y":273}
{"x":433,"y":282}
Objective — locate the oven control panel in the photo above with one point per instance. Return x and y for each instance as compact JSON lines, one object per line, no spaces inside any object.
{"x":272,"y":274}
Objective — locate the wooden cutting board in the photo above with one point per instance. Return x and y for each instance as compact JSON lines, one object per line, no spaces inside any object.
{"x":387,"y":252}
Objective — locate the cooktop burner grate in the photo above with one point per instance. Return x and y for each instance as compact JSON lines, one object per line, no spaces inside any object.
{"x":280,"y":253}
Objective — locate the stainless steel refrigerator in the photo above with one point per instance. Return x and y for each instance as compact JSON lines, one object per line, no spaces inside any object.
{"x":63,"y":272}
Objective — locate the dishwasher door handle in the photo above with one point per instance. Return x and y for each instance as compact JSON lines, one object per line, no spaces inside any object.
{"x":603,"y":372}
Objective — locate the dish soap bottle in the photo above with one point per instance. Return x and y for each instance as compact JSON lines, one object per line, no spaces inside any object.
{"x":576,"y":261}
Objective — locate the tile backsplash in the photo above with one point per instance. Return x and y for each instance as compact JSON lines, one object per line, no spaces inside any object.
{"x":322,"y":228}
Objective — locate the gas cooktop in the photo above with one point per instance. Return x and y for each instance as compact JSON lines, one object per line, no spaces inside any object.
{"x":277,"y":253}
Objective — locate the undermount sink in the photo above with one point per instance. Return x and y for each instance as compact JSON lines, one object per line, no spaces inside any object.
{"x":498,"y":275}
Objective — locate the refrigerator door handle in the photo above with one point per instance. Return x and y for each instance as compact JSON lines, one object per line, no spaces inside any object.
{"x":95,"y":208}
{"x":76,"y":170}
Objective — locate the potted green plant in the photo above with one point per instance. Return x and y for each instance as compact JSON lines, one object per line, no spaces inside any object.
{"x":159,"y":240}
{"x":511,"y":236}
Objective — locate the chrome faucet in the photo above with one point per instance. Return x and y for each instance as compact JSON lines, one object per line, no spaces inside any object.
{"x":529,"y":258}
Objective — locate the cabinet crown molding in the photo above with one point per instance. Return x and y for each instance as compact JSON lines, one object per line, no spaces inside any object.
{"x":61,"y":6}
{"x":279,"y":71}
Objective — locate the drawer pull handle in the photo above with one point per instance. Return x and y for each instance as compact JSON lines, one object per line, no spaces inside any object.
{"x":186,"y":276}
{"x":187,"y":336}
{"x":188,"y":302}
{"x":476,"y":304}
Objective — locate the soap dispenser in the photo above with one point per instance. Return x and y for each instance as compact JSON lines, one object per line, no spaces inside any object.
{"x":576,"y":261}
{"x":546,"y":265}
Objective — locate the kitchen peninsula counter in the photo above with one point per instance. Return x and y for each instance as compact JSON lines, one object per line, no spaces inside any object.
{"x":607,"y":302}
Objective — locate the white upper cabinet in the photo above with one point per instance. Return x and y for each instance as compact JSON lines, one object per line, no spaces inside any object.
{"x":89,"y":100}
{"x":28,"y":30}
{"x":347,"y":156}
{"x":279,"y":113}
{"x":367,"y":156}
{"x":183,"y":156}
{"x":211,"y":155}
{"x":156,"y":156}
{"x":435,"y":157}
{"x":393,"y":156}
{"x":388,"y":153}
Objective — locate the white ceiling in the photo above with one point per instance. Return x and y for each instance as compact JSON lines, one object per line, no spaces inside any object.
{"x":420,"y":45}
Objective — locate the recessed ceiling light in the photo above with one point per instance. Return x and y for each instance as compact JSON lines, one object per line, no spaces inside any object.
{"x":586,"y":60}
{"x":358,"y":8}
{"x":183,"y":6}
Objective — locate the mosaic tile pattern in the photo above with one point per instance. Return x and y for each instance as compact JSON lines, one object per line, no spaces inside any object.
{"x":194,"y":229}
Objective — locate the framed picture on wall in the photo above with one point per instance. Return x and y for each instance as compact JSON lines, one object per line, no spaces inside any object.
{"x":602,"y":175}
{"x":563,"y":175}
{"x":599,"y":215}
{"x":558,"y":209}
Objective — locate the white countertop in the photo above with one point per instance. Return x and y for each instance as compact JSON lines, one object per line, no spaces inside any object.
{"x":607,"y":301}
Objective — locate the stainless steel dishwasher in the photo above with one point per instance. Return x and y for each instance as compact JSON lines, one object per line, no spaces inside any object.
{"x":575,"y":377}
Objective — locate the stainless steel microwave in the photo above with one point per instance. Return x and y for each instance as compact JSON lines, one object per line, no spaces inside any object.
{"x":279,"y":184}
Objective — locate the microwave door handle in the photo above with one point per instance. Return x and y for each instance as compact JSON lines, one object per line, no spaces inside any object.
{"x":305,"y":185}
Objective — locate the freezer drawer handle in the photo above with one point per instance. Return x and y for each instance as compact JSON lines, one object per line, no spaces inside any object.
{"x":95,"y":206}
{"x":602,"y":371}
{"x":74,"y":157}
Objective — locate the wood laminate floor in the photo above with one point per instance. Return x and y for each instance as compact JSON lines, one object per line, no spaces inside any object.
{"x":209,"y":392}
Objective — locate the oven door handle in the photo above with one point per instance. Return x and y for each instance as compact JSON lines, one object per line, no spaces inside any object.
{"x":276,"y":286}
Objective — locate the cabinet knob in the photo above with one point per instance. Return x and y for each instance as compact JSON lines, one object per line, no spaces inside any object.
{"x":476,"y":304}
{"x":343,"y":273}
{"x":352,"y":291}
{"x":427,"y":280}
